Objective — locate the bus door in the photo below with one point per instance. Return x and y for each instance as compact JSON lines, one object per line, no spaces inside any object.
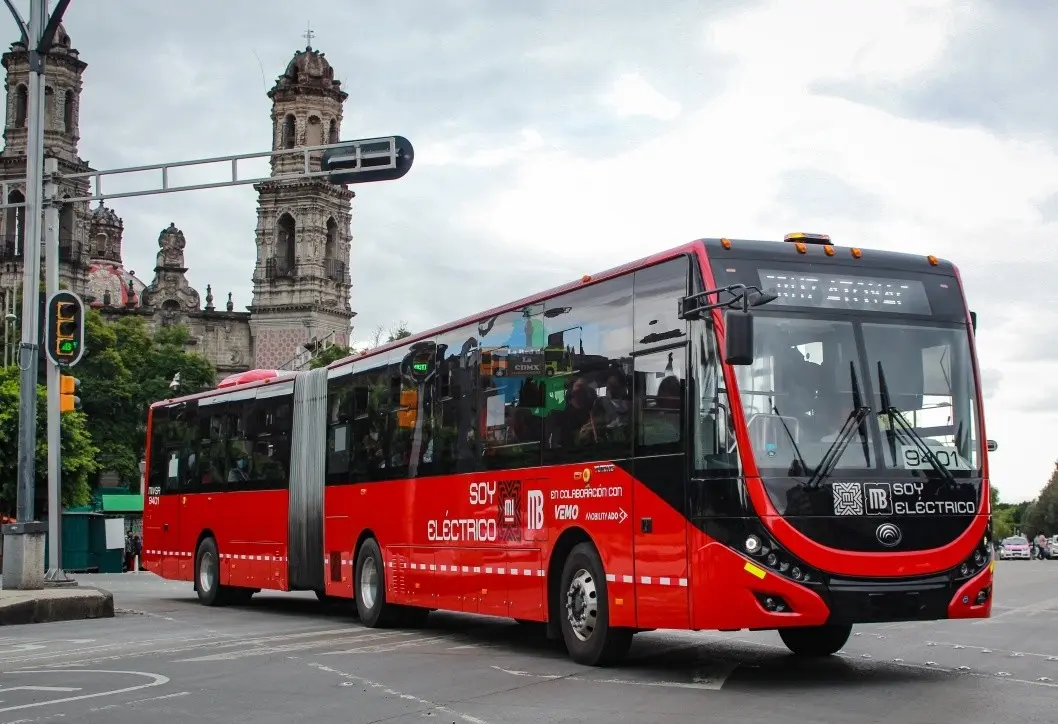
{"x":659,"y":390}
{"x":167,"y":477}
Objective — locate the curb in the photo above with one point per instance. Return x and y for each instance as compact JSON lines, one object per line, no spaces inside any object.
{"x":88,"y":603}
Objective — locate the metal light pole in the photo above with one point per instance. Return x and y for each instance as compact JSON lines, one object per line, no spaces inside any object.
{"x":24,"y":541}
{"x":346,"y":162}
{"x":56,"y":575}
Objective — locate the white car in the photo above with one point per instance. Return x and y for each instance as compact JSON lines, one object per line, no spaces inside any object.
{"x":1016,"y":547}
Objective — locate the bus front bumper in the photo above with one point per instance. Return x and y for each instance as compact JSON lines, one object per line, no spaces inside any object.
{"x":740,"y":593}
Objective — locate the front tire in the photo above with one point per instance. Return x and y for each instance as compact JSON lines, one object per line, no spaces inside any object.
{"x":815,"y":641}
{"x":585,"y":612}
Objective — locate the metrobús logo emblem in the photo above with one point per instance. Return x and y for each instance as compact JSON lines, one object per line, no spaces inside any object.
{"x":888,"y":535}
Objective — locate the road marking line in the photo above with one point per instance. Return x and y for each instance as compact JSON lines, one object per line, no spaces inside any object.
{"x":382,"y":648}
{"x":350,"y":678}
{"x":156,"y":680}
{"x":708,"y":681}
{"x":300,"y":646}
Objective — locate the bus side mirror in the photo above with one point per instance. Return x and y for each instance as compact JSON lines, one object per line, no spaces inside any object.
{"x":738,"y":337}
{"x":992,"y":446}
{"x":973,"y":320}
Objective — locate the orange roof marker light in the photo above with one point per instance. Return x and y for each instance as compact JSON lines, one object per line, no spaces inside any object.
{"x":726,"y":243}
{"x":932,"y":260}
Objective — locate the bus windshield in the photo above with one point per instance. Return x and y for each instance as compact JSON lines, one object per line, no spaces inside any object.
{"x":872,"y":393}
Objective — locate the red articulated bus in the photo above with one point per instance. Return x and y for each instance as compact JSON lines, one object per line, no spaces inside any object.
{"x":728,"y":435}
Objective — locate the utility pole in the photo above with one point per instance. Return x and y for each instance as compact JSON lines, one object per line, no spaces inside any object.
{"x":347,"y":162}
{"x":55,"y":575}
{"x":24,"y":540}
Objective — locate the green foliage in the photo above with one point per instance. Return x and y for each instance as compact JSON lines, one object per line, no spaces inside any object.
{"x":79,"y":454}
{"x":1041,"y":516}
{"x":331,"y":354}
{"x":125,"y":369}
{"x":400,"y":332}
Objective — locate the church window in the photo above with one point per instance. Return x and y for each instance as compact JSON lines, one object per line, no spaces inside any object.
{"x":68,"y":111}
{"x":285,"y":246}
{"x":15,"y":231}
{"x":332,"y":134}
{"x":21,"y":103}
{"x":314,"y":133}
{"x":289,"y":131}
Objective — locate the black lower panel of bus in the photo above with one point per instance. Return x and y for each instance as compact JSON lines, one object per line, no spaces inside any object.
{"x":861,"y":601}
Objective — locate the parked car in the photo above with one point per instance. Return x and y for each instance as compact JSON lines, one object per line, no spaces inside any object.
{"x":1052,"y":547}
{"x":1016,"y":547}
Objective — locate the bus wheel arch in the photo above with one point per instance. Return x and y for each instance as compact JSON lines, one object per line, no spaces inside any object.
{"x":566,"y":542}
{"x":583,"y":609}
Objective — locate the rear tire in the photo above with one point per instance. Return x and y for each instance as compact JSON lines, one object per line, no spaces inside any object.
{"x":207,"y":574}
{"x":369,"y":587}
{"x":584,"y":611}
{"x":815,"y":641}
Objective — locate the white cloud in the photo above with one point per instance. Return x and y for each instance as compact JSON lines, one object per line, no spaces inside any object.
{"x":959,"y":193}
{"x":632,"y":95}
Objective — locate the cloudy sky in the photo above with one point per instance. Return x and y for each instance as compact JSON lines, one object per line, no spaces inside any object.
{"x":555,"y":138}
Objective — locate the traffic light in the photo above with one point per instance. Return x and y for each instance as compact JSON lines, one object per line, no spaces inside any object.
{"x":68,"y":388}
{"x":375,"y":159}
{"x":65,"y":325}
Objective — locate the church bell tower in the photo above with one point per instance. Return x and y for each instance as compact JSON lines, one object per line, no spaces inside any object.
{"x":301,"y":282}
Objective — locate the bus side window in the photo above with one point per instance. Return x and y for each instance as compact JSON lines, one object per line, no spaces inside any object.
{"x":660,"y":388}
{"x":270,"y":439}
{"x":339,"y":429}
{"x":213,"y":455}
{"x":714,"y":437}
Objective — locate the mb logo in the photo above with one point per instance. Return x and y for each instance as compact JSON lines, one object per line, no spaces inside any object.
{"x":879,"y":498}
{"x":534,"y":513}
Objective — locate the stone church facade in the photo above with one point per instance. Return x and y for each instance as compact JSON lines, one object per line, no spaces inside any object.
{"x":301,"y":282}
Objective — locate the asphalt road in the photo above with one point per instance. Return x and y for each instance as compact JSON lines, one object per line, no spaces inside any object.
{"x":164,"y":658}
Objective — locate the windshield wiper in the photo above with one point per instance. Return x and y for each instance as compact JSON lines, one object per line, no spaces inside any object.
{"x":793,"y":441}
{"x":857,"y":403}
{"x":897,"y":417}
{"x":856,"y":420}
{"x":837,"y":448}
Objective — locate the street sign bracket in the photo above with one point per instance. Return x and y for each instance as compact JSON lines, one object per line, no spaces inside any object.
{"x":375,"y":159}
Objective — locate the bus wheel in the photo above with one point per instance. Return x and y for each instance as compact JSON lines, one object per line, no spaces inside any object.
{"x":369,"y":586}
{"x":584,"y":611}
{"x":207,"y":574}
{"x":815,"y":641}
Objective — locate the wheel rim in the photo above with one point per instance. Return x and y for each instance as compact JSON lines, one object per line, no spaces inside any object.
{"x":582,"y":605}
{"x":369,"y":583}
{"x":207,"y":572}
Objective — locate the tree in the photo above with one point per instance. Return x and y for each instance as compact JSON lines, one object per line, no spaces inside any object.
{"x":125,"y":368}
{"x":1042,"y":514}
{"x":400,"y":332}
{"x":332,"y":354}
{"x":79,"y":455}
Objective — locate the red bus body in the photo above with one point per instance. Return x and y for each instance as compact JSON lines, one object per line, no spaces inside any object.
{"x":471,"y":481}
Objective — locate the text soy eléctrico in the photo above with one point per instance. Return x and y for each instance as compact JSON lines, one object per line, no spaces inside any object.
{"x":587,"y":493}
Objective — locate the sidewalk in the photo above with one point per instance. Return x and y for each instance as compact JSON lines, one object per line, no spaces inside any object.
{"x":54,"y":604}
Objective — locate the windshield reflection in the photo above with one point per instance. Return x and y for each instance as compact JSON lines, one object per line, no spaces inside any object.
{"x":814,"y":398}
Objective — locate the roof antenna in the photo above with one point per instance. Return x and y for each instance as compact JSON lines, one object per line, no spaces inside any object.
{"x":308,"y":36}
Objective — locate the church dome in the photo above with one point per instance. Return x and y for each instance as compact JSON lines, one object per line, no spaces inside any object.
{"x":309,"y":70}
{"x":307,"y":65}
{"x":112,"y":285}
{"x":105,"y":215}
